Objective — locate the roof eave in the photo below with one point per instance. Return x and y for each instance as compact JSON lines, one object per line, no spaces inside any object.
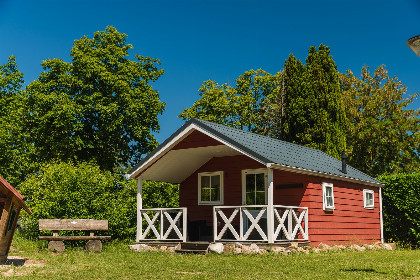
{"x":322,"y":174}
{"x":178,"y":135}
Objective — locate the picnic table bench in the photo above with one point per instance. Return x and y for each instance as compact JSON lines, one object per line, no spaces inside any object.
{"x":56,"y":241}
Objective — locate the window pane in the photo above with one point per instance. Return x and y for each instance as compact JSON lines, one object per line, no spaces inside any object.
{"x":213,"y":195}
{"x":205,"y":194}
{"x":260,"y":182}
{"x":369,"y":199}
{"x":250,"y":182}
{"x":260,"y":198}
{"x":250,"y":198}
{"x":329,"y":201}
{"x":215,"y":181}
{"x":205,"y":181}
{"x":328,"y":191}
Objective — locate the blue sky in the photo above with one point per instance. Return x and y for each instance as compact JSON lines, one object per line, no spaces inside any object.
{"x":218,"y":40}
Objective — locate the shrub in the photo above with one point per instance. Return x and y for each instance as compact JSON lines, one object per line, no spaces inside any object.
{"x":401,"y":208}
{"x":84,"y":191}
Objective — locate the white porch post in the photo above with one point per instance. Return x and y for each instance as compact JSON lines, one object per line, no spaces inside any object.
{"x":270,"y":208}
{"x":139,"y":207}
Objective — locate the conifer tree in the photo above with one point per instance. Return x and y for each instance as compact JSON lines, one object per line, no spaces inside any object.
{"x":314,"y":116}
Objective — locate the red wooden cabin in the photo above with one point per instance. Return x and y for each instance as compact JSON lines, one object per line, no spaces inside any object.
{"x":240,"y":186}
{"x":11,"y":202}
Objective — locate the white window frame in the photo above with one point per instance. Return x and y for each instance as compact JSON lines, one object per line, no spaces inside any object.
{"x":365,"y":192}
{"x":254,"y":171}
{"x":324,"y":197}
{"x":216,"y":202}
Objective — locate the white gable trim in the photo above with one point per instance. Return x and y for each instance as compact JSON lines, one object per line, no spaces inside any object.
{"x":227,"y":144}
{"x":178,"y":138}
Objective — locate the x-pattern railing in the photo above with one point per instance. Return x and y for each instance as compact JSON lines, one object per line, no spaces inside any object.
{"x":244,"y":212}
{"x":291,"y":223}
{"x":161,"y":224}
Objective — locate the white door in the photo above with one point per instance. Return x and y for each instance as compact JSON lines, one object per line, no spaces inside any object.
{"x":254,"y":192}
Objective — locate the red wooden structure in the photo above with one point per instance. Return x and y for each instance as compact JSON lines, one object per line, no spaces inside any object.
{"x":11,"y":202}
{"x":238,"y":186}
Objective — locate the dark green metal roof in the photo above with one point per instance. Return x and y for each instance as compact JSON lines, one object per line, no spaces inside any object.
{"x":269,"y":150}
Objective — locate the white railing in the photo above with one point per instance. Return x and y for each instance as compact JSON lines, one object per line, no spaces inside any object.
{"x":164,"y":224}
{"x":290,"y":223}
{"x":249,"y":223}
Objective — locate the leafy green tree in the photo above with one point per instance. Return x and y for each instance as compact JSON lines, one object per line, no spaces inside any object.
{"x":14,"y":149}
{"x":401,"y":208}
{"x":100,"y":106}
{"x":383,"y":135}
{"x":84,"y":191}
{"x":217,"y":104}
{"x":241,"y":106}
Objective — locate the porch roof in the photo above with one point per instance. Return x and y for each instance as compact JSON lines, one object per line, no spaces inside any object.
{"x":174,"y":166}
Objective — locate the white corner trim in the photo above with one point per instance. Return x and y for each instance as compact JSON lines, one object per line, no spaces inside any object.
{"x":381,"y":218}
{"x":321,"y":174}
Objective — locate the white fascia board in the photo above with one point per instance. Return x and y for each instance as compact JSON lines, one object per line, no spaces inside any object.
{"x":228,"y":144}
{"x":322,"y":174}
{"x":163,"y":150}
{"x":176,"y":140}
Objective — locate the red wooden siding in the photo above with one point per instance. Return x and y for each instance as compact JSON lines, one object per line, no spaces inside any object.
{"x":350,"y":222}
{"x":196,"y":139}
{"x":232,"y":167}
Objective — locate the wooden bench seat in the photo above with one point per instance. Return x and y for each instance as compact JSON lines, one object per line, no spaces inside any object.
{"x":56,"y":225}
{"x":62,"y":237}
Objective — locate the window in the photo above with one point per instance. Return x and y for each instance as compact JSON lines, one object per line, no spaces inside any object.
{"x":254,"y":187}
{"x":368,"y":199}
{"x":328,"y":196}
{"x":210,"y":188}
{"x":12,"y":216}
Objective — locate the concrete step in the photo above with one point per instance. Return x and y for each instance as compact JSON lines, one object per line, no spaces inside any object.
{"x":197,"y":252}
{"x":193,"y":248}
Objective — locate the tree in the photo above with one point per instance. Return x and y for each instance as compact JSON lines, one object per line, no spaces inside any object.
{"x":295,"y":101}
{"x":100,"y":106}
{"x":84,"y":191}
{"x":14,"y":149}
{"x":383,"y":135}
{"x":242,"y":106}
{"x":401,"y":208}
{"x":314,"y":116}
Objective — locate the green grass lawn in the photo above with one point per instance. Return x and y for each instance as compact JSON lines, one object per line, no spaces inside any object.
{"x":116,"y":261}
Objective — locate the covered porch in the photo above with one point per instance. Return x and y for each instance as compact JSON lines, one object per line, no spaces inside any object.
{"x":245,"y":223}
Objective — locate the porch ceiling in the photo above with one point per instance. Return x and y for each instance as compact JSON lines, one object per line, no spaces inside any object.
{"x":176,"y":165}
